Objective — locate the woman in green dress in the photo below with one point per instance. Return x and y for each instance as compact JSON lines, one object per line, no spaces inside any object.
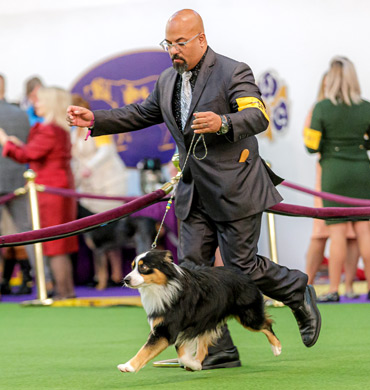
{"x":338,"y":126}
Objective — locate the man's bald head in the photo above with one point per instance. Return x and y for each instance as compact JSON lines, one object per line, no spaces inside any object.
{"x":183,"y":26}
{"x":187,"y":20}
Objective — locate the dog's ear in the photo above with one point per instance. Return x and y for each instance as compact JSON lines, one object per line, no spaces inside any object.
{"x":168,"y":257}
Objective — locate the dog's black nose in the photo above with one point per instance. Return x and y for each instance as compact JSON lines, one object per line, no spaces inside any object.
{"x":126,"y":280}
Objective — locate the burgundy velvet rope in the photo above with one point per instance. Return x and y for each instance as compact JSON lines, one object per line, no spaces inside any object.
{"x":349,"y":213}
{"x":81,"y":225}
{"x":93,"y":221}
{"x":7,"y":198}
{"x":79,"y":195}
{"x":328,"y":196}
{"x":74,"y":194}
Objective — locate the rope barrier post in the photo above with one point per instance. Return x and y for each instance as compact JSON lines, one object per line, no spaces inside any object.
{"x":42,"y":296}
{"x":272,"y":244}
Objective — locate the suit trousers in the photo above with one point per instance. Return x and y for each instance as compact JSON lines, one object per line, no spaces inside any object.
{"x":18,"y":210}
{"x":238,"y":240}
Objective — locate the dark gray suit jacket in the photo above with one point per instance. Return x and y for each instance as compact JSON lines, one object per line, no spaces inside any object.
{"x":15,"y":122}
{"x":229,"y":190}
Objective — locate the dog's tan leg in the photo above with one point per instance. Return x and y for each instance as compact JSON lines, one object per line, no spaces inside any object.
{"x":266,"y":329}
{"x":149,"y":351}
{"x":202,"y":348}
{"x":273,"y":340}
{"x":185,"y":353}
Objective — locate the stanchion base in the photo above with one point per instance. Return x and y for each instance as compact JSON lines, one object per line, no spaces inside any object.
{"x":38,"y":302}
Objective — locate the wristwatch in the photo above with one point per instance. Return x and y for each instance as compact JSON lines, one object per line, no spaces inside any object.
{"x":224,"y":126}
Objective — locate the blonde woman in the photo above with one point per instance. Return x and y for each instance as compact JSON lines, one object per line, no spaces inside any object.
{"x":48,"y":152}
{"x":320,"y":231}
{"x":338,"y":126}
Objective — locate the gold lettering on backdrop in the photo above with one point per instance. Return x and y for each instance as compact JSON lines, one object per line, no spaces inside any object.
{"x":122,"y":141}
{"x":166,"y":143}
{"x":131,"y":91}
{"x":100,"y":89}
{"x":131,"y":94}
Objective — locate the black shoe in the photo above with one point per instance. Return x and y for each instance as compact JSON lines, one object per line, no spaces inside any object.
{"x":5,"y":289}
{"x":222,"y":359}
{"x":24,"y":290}
{"x":327,"y":298}
{"x":368,"y":295}
{"x":308,"y":318}
{"x":112,"y":283}
{"x":93,"y":283}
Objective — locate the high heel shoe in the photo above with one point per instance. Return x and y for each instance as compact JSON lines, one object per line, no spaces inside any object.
{"x":351,"y":295}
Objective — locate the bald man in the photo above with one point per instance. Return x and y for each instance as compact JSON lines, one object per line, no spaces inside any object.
{"x":226,"y":185}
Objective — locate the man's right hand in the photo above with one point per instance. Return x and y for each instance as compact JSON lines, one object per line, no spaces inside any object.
{"x":80,"y":116}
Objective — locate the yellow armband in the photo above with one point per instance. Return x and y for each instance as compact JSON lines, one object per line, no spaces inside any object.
{"x":251,"y":102}
{"x":312,"y":138}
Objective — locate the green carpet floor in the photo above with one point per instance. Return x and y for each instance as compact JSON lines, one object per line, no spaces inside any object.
{"x":79,"y":348}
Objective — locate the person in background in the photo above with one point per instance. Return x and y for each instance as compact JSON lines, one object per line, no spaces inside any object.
{"x":14,"y":121}
{"x":99,"y":170}
{"x":320,"y":231}
{"x":338,"y":126}
{"x":226,"y":186}
{"x":33,"y":84}
{"x":48,"y":153}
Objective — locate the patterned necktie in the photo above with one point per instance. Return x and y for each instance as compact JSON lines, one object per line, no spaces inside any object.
{"x":185,"y":97}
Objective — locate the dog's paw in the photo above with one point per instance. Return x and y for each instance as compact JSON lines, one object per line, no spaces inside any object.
{"x":125,"y":367}
{"x":191,"y":364}
{"x":276,"y":349}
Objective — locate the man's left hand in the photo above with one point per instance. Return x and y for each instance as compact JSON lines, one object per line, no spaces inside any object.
{"x":206,"y":122}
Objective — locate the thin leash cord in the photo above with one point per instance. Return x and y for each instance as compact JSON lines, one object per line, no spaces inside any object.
{"x":169,"y":203}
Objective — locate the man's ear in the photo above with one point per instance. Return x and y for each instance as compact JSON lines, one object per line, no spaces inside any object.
{"x":202,"y":39}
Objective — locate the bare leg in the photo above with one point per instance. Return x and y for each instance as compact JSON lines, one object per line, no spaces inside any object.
{"x":101,"y":270}
{"x":115,"y":260}
{"x":362,"y":229}
{"x":338,"y":254}
{"x":351,"y":264}
{"x":61,"y":268}
{"x":314,"y":257}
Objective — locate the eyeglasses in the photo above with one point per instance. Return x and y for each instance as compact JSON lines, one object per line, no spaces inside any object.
{"x":178,"y":45}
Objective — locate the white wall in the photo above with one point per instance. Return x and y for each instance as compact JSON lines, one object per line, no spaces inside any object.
{"x":60,"y":40}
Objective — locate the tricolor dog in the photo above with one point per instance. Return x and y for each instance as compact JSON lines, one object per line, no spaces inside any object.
{"x":186,"y":308}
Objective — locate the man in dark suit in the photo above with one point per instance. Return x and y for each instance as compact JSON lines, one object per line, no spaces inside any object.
{"x":15,"y":122}
{"x":225,"y":185}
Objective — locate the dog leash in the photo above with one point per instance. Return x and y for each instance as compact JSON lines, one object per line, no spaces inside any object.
{"x":170,"y":201}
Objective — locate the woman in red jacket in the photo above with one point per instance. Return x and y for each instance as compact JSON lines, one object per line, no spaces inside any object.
{"x":48,"y":152}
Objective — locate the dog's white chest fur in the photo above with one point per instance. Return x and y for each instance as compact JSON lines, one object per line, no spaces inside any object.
{"x":156,"y":297}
